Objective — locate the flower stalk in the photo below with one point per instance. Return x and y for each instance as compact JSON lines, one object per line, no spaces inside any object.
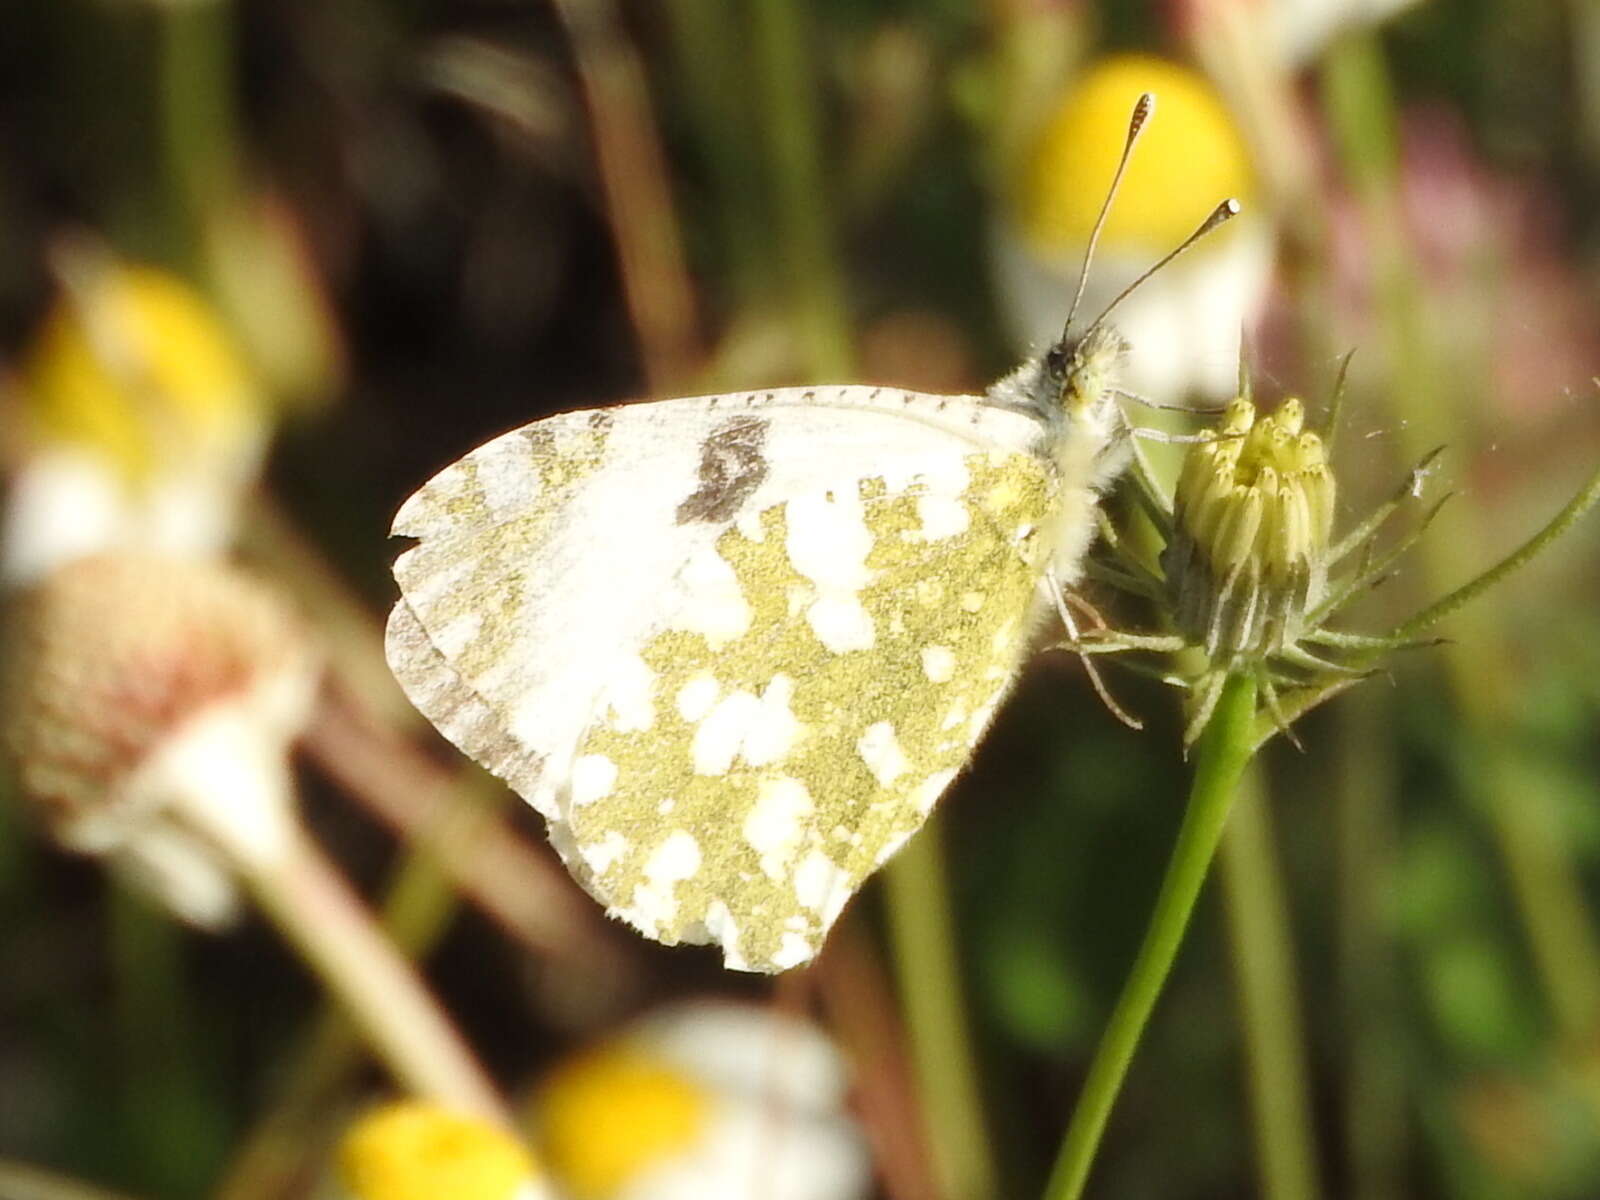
{"x":1224,"y":750}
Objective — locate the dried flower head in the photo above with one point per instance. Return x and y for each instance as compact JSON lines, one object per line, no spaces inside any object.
{"x":149,"y":704}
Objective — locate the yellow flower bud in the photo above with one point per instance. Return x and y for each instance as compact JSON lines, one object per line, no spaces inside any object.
{"x":1253,"y":514}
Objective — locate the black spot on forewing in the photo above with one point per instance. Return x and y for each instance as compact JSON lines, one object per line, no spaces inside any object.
{"x":732,"y":467}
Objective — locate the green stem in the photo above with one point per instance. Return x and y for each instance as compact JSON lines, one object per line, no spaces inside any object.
{"x":1375,"y":1098}
{"x":931,"y":994}
{"x":800,"y":193}
{"x":165,"y":1085}
{"x":195,"y":97}
{"x":1225,"y":748}
{"x":1269,"y":1006}
{"x":1580,"y":503}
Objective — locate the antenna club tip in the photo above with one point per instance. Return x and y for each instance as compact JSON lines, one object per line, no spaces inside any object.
{"x":1142,"y":108}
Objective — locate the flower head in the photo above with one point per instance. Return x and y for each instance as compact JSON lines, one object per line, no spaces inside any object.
{"x":416,"y":1150}
{"x":149,"y":704}
{"x":141,"y":422}
{"x":1253,"y":514}
{"x":1251,"y":574}
{"x":700,"y":1100}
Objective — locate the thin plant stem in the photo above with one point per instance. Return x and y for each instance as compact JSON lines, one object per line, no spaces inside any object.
{"x":858,"y":1001}
{"x":1269,"y":1002}
{"x":416,"y":910}
{"x":1225,"y":747}
{"x":924,"y":940}
{"x":195,"y":85}
{"x":800,"y":193}
{"x":1375,"y":1101}
{"x":310,"y":903}
{"x":638,"y":197}
{"x":1581,"y":503}
{"x":712,"y":81}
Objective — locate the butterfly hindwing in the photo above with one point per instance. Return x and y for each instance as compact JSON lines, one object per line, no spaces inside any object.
{"x":749,"y":787}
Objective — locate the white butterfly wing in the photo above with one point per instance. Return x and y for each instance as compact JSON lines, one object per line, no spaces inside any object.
{"x":584,"y":583}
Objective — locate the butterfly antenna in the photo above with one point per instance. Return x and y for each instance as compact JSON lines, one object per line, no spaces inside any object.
{"x":1142,"y":108}
{"x":1221,"y":214}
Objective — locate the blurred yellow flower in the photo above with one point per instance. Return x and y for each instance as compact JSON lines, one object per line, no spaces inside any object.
{"x":1184,"y":323}
{"x":1189,"y":157}
{"x":415,"y":1150}
{"x":607,"y":1115}
{"x":141,"y":424}
{"x":711,"y":1101}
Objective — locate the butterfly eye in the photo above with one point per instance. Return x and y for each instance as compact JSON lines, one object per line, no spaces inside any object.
{"x":1055,"y":359}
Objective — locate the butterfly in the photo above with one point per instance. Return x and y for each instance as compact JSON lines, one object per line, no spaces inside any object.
{"x":734,"y":647}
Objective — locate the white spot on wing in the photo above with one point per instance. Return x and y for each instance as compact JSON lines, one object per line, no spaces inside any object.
{"x":841,"y":624}
{"x":792,"y":951}
{"x":716,"y":740}
{"x":629,"y":698}
{"x":760,"y":730}
{"x":819,"y":885}
{"x":724,"y":930}
{"x":593,"y":778}
{"x":938,"y":663}
{"x":696,"y":697}
{"x":828,"y":542}
{"x":774,"y":826}
{"x":677,"y":858}
{"x":713,"y":603}
{"x":508,"y":478}
{"x":774,"y":727}
{"x":880,"y":750}
{"x":942,"y":516}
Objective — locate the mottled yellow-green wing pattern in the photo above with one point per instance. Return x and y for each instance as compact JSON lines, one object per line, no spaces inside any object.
{"x":822,"y":679}
{"x":731,"y":647}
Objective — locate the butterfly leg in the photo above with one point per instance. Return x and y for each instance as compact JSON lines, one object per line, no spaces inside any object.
{"x":1057,"y":595}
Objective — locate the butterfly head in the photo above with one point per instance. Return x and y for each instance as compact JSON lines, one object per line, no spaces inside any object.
{"x":1080,"y":375}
